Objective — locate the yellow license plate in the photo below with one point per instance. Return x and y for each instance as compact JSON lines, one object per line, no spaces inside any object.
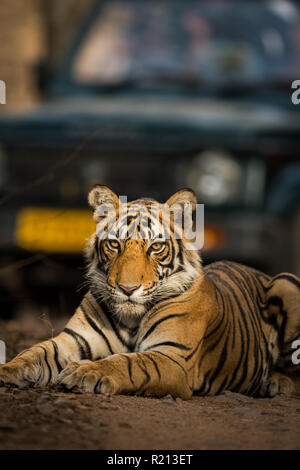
{"x":53,"y":230}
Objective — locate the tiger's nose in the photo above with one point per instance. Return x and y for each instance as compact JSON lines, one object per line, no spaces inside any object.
{"x":128,"y":289}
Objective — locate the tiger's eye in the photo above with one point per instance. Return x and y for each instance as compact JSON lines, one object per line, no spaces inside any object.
{"x":113,"y":243}
{"x":156,"y":246}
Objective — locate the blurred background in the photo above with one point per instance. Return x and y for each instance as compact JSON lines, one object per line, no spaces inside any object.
{"x":146,"y":97}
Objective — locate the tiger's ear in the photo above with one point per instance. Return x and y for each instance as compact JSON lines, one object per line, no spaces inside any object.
{"x":183,"y":196}
{"x":102,"y":195}
{"x":100,"y":198}
{"x":182,"y":205}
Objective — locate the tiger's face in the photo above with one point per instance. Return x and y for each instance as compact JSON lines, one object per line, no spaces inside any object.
{"x":135,"y":259}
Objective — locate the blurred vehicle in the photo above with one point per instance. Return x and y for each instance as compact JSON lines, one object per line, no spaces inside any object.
{"x":149,"y":98}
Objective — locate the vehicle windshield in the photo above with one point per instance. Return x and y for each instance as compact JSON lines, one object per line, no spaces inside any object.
{"x":207,"y":43}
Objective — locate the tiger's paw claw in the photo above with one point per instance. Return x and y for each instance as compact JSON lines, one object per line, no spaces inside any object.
{"x":88,"y":377}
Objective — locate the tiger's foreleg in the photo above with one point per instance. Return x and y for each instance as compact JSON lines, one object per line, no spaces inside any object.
{"x":150,"y":373}
{"x":41,"y":364}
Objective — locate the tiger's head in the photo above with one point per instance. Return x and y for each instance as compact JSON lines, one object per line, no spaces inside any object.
{"x":135,"y":259}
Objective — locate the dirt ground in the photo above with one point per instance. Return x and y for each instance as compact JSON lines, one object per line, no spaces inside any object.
{"x":53,"y":419}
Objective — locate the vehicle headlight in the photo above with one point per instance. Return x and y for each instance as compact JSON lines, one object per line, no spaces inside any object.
{"x":215,"y":176}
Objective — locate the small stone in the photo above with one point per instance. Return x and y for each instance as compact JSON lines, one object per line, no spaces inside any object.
{"x":46,"y":409}
{"x":278,"y":427}
{"x":17,"y":397}
{"x":272,"y":413}
{"x":234,"y":396}
{"x":125,"y":425}
{"x":242,"y":410}
{"x":168,"y":399}
{"x":7,"y":427}
{"x":65,"y":421}
{"x":63,"y":403}
{"x":82,"y":407}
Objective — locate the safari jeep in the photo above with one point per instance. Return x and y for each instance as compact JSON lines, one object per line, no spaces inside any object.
{"x":151,"y":97}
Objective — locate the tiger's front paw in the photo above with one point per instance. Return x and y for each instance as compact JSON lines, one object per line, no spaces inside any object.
{"x":20,"y":373}
{"x":280,"y":384}
{"x":90,"y":376}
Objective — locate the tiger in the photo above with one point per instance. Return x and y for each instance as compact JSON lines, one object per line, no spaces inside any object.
{"x":156,"y":322}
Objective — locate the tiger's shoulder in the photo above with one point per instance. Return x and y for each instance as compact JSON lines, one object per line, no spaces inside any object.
{"x":222,"y":272}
